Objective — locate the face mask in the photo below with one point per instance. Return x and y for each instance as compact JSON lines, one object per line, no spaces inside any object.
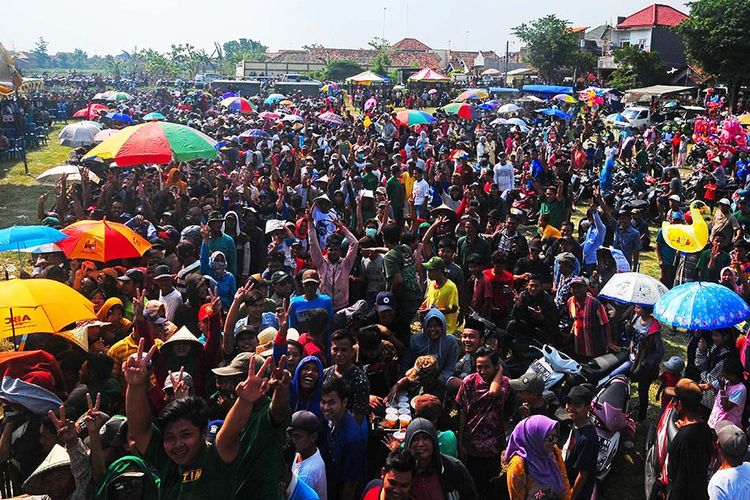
{"x":371,"y":232}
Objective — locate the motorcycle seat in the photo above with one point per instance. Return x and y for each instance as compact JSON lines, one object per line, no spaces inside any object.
{"x":638,"y":204}
{"x":599,"y":367}
{"x":614,"y":394}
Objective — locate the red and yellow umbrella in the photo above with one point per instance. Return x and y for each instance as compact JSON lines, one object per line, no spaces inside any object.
{"x":238,"y":105}
{"x":154,"y":142}
{"x":102,"y":241}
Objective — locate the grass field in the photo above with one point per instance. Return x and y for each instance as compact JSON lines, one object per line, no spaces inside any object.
{"x":18,"y":202}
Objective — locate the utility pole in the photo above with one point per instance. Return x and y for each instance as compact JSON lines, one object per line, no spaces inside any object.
{"x":507,"y":56}
{"x":467,"y":39}
{"x":384,"y":9}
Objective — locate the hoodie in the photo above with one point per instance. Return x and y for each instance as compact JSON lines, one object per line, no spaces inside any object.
{"x":455,"y":480}
{"x":445,"y":349}
{"x":122,"y":327}
{"x":242,"y":244}
{"x":313,"y":403}
{"x":129,"y":463}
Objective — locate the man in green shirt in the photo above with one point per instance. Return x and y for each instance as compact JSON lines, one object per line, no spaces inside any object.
{"x":472,"y":243}
{"x":369,"y":180}
{"x":401,"y":279}
{"x":553,"y":203}
{"x":395,"y":192}
{"x":713,"y":260}
{"x":742,"y":214}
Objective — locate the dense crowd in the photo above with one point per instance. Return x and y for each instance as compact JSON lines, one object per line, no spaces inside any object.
{"x":340,"y":310}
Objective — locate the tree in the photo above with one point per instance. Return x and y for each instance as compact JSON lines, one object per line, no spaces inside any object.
{"x":550,"y":44}
{"x":382,"y":60}
{"x":581,"y":62}
{"x":716,"y":39}
{"x":79,"y":59}
{"x":636,"y":68}
{"x":114,"y":65}
{"x":40,"y":52}
{"x":244,"y":48}
{"x":337,"y":70}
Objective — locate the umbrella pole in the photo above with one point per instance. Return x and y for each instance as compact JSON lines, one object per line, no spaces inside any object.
{"x":13,"y":330}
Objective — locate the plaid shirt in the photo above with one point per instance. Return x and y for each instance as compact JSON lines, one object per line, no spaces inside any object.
{"x":589,"y":319}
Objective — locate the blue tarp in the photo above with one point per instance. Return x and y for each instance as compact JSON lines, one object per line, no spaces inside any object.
{"x":547,"y":89}
{"x":503,"y":90}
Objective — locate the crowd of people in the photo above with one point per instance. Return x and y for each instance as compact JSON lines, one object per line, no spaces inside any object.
{"x":309,"y":319}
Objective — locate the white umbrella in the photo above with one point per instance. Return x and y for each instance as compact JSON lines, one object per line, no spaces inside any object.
{"x":492,"y":72}
{"x":499,"y":121}
{"x":51,"y":176}
{"x":104,"y":134}
{"x":46,"y":248}
{"x":517,"y":121}
{"x":292,"y":118}
{"x":529,"y":98}
{"x":633,"y":288}
{"x":508,"y":108}
{"x":79,"y":134}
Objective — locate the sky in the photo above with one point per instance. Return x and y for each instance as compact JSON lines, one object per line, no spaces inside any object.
{"x":110,"y":27}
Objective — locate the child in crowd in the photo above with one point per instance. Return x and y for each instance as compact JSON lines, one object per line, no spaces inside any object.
{"x":672,"y":372}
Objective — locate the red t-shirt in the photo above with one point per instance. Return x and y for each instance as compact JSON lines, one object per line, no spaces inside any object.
{"x":310,"y":347}
{"x":500,"y":284}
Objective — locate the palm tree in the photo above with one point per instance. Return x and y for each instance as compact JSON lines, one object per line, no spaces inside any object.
{"x":115,"y":66}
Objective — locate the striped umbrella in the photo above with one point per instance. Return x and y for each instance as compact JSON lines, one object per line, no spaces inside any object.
{"x":409,"y":117}
{"x":102,"y":241}
{"x":238,"y":105}
{"x":472,"y":95}
{"x":331,"y":117}
{"x":154,"y":142}
{"x":565,"y":98}
{"x":462,"y":110}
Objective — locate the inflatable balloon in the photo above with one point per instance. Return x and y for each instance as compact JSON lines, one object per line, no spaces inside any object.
{"x":688,"y":238}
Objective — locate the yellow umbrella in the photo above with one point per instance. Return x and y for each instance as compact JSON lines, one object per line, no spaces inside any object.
{"x":286,"y":102}
{"x":40,"y":306}
{"x":744,"y":119}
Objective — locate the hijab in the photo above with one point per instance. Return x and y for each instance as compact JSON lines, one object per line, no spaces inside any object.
{"x":527,"y":441}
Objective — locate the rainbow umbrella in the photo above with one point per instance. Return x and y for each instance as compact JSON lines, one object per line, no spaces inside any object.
{"x":410,"y":117}
{"x":102,"y":241}
{"x":331,"y":117}
{"x":472,"y":95}
{"x":238,"y":105}
{"x":462,"y":110}
{"x":154,"y":142}
{"x":155,"y":116}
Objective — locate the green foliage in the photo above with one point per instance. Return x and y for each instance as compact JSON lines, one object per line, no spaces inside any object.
{"x":244,"y":48}
{"x":637,"y":68}
{"x":550,"y":45}
{"x":338,"y":70}
{"x":40,"y":51}
{"x":382,"y":60}
{"x":582,"y":61}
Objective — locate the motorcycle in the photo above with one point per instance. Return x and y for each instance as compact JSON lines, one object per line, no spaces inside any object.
{"x":658,"y":440}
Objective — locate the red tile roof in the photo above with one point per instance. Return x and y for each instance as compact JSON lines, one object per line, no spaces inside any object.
{"x":363,"y":57}
{"x":654,"y":15}
{"x":410,"y":44}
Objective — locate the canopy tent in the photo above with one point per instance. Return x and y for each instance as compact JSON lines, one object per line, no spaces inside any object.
{"x":658,"y":91}
{"x":427,"y":75}
{"x":547,"y":89}
{"x":367,"y":78}
{"x":503,"y":90}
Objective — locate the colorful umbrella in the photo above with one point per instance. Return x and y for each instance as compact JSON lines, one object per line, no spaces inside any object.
{"x":154,"y":117}
{"x":565,"y":98}
{"x":268,"y":115}
{"x":154,"y":142}
{"x":19,"y":237}
{"x":701,"y":305}
{"x":102,"y":241}
{"x":331,"y":117}
{"x":79,"y":134}
{"x":120,"y":118}
{"x":370,"y":103}
{"x":274,"y":98}
{"x":489,"y":106}
{"x":557,"y":113}
{"x":472,"y":95}
{"x":54,"y":174}
{"x":90,"y":112}
{"x":238,"y":105}
{"x":257,"y":133}
{"x":410,"y":117}
{"x":292,"y":118}
{"x":633,"y":288}
{"x":40,"y":306}
{"x":330,"y":88}
{"x":118,"y":96}
{"x":508,"y":108}
{"x":462,"y":110}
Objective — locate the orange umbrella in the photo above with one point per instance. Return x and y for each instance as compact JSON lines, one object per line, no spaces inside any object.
{"x":102,"y":241}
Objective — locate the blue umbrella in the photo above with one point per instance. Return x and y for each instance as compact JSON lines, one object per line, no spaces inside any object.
{"x":274,"y":98}
{"x":121,"y":117}
{"x":20,"y":237}
{"x":257,"y":133}
{"x":489,"y":106}
{"x":229,"y":94}
{"x":557,"y":113}
{"x":701,"y":305}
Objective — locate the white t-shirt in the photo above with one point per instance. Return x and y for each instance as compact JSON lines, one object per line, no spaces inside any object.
{"x":504,"y":177}
{"x":420,"y":190}
{"x":730,"y":484}
{"x":312,"y":471}
{"x":171,"y":302}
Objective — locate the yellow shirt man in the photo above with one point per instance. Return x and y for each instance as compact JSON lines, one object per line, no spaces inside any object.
{"x":444,"y":298}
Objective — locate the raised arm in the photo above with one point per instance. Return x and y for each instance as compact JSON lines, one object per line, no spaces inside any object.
{"x":312,"y":239}
{"x":137,"y":409}
{"x":232,"y":317}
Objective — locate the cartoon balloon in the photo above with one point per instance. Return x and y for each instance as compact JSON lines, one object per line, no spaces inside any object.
{"x":689,"y":238}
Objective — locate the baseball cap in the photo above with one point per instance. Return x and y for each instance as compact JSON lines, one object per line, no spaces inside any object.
{"x":133,"y":275}
{"x":114,"y":433}
{"x":384,"y":301}
{"x":215,"y":216}
{"x":152,"y":310}
{"x":279,"y":276}
{"x":238,"y":366}
{"x":685,"y":390}
{"x":731,"y":439}
{"x":676,"y":198}
{"x":311,"y":275}
{"x":186,"y":378}
{"x":214,"y":426}
{"x":528,"y":382}
{"x":725,"y":201}
{"x":434,"y":263}
{"x":674,"y":364}
{"x":205,"y":311}
{"x":305,"y":421}
{"x":162,"y":271}
{"x":580,"y":394}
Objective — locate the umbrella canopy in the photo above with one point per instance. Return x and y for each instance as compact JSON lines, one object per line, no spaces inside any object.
{"x":616,"y":118}
{"x":462,"y":110}
{"x":274,"y":98}
{"x":40,"y":306}
{"x":154,"y":116}
{"x":105,"y":134}
{"x":492,"y":72}
{"x":508,"y":108}
{"x":472,"y":95}
{"x":90,"y":112}
{"x":744,"y":119}
{"x":257,"y":133}
{"x":370,"y":103}
{"x":557,"y":113}
{"x":268,"y":115}
{"x":517,"y":121}
{"x":701,"y":305}
{"x":331,"y":117}
{"x":330,"y":88}
{"x":118,"y":96}
{"x":18,"y":237}
{"x":499,"y":121}
{"x":489,"y":106}
{"x":409,"y":117}
{"x":238,"y":105}
{"x":154,"y":142}
{"x":427,"y":75}
{"x":529,"y":98}
{"x":102,"y":241}
{"x":366,"y":78}
{"x":565,"y":98}
{"x":79,"y":134}
{"x":286,"y":102}
{"x":54,"y":174}
{"x":120,"y":118}
{"x":292,"y":118}
{"x":633,"y":288}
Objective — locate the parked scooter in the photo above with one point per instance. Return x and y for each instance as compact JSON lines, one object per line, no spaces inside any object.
{"x":658,"y":440}
{"x":612,"y":420}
